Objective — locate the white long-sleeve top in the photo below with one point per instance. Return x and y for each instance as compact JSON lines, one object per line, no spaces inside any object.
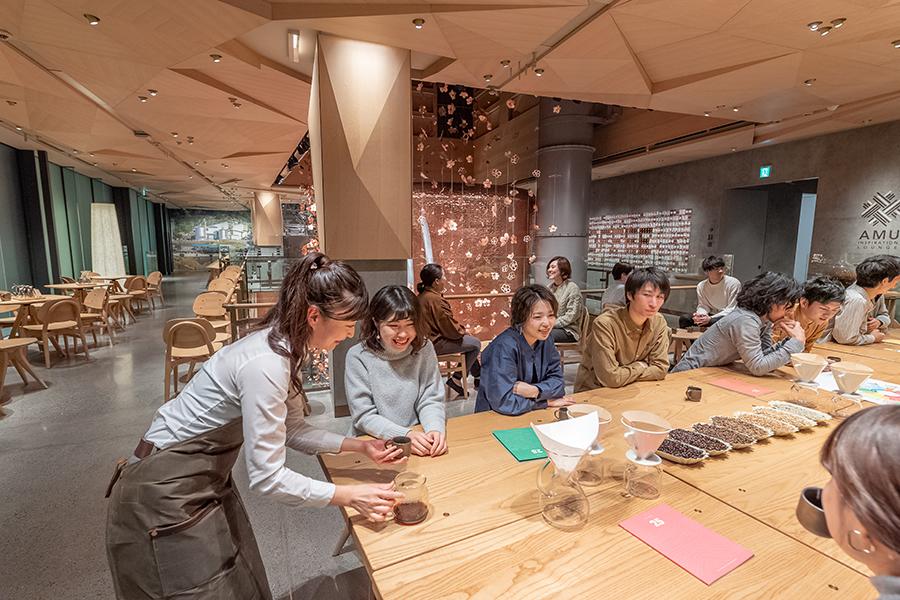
{"x":719,"y":299}
{"x":850,"y":322}
{"x":247,"y":379}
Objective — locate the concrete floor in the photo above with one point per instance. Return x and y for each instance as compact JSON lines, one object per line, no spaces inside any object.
{"x":58,"y":448}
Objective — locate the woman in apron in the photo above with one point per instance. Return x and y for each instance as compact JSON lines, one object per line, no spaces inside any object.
{"x":176,"y":526}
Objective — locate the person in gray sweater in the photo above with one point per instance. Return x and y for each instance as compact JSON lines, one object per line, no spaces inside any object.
{"x":391,"y":377}
{"x":746,"y":332}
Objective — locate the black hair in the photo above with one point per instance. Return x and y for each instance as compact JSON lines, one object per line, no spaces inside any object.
{"x":711,"y":263}
{"x":564,"y":266}
{"x":766,"y":290}
{"x":640,"y":277}
{"x":332,"y":286}
{"x":524,"y":300}
{"x":392,"y":303}
{"x":620,"y":269}
{"x":823,"y":290}
{"x":428,"y":275}
{"x":871,"y":271}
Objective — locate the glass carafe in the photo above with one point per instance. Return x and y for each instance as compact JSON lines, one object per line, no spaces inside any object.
{"x":642,"y":480}
{"x":563,"y":503}
{"x":413,"y":507}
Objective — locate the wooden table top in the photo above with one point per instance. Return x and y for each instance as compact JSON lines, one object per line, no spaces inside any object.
{"x":75,"y":286}
{"x":482,"y":500}
{"x":880,"y":351}
{"x":528,"y":559}
{"x":17,"y":301}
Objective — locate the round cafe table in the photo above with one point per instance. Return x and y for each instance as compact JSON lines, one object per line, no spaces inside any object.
{"x":25,"y":305}
{"x":78,"y":289}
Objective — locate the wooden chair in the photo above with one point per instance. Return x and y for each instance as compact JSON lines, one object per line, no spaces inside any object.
{"x":96,"y":314}
{"x":188,"y":341}
{"x":232,"y":272}
{"x":448,"y":364}
{"x":154,"y":288}
{"x":57,"y":318}
{"x":211,"y":306}
{"x":584,"y":329}
{"x":136,"y":288}
{"x":66,"y":280}
{"x":9,"y":322}
{"x":223,"y":285}
{"x":12,"y":352}
{"x":682,"y":340}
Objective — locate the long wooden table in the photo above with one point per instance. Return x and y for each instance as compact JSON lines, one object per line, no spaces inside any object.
{"x":485,"y":536}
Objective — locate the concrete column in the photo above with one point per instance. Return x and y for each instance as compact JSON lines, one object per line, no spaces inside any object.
{"x":265,"y":216}
{"x":360,"y":129}
{"x":565,"y":152}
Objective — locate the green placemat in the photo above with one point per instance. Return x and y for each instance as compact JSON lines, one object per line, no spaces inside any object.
{"x":522,"y":443}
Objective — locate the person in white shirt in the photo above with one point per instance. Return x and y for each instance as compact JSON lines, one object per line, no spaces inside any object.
{"x":614,"y":296}
{"x":716,"y":295}
{"x":863,"y":316}
{"x":176,"y":525}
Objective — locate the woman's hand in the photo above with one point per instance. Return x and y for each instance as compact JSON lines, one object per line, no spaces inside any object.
{"x":793,"y":329}
{"x":373,"y":501}
{"x":421,"y":443}
{"x":526,"y":390}
{"x":379,"y":453}
{"x":564,"y":401}
{"x":438,"y":442}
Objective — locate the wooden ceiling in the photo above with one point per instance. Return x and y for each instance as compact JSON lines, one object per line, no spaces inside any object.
{"x":73,"y":87}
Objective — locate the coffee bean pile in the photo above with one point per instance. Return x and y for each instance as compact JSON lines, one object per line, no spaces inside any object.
{"x":710,"y":444}
{"x":802,"y":411}
{"x":680,"y":452}
{"x":776,"y":425}
{"x":726,"y":434}
{"x":795,"y":420}
{"x":747,"y":428}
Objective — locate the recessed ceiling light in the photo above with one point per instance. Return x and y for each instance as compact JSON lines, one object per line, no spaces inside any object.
{"x":216,"y":57}
{"x":706,"y":114}
{"x":91,"y":154}
{"x":4,"y":35}
{"x":236,"y":104}
{"x":734,"y":149}
{"x":18,"y":128}
{"x":505,"y":63}
{"x":142,"y":98}
{"x":418,"y":22}
{"x":809,"y":82}
{"x":896,"y":43}
{"x":92,"y":19}
{"x":152,"y":92}
{"x":11,"y":102}
{"x":839,"y":22}
{"x":736,"y":108}
{"x":74,"y":151}
{"x":232,"y":99}
{"x":488,"y":77}
{"x":823,"y":31}
{"x":814,"y":26}
{"x":174,"y":134}
{"x":538,"y":71}
{"x":133,"y":170}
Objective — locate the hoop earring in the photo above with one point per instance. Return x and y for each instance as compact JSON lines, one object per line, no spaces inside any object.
{"x":853,"y":534}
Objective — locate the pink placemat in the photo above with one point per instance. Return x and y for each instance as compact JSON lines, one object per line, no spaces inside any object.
{"x":742,"y":387}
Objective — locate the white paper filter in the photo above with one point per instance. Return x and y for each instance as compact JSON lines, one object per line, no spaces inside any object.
{"x":566,"y":441}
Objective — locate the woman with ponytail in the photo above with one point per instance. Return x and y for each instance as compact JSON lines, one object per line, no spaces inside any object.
{"x":444,"y":331}
{"x":176,"y":525}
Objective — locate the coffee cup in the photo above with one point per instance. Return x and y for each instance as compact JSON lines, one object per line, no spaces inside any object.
{"x":810,"y":512}
{"x":693,"y":393}
{"x":401,"y":441}
{"x":561,"y":413}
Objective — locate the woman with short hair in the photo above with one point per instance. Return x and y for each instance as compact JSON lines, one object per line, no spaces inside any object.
{"x":521,"y":369}
{"x":568,"y":298}
{"x":862,"y":499}
{"x":392,"y":379}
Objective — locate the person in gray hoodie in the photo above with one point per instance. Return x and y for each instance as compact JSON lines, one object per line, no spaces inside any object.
{"x":392,"y":378}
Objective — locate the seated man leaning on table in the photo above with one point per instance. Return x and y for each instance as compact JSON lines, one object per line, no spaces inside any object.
{"x":746,"y":332}
{"x":630,"y":343}
{"x":821,"y":299}
{"x":863,"y":315}
{"x":520,"y":368}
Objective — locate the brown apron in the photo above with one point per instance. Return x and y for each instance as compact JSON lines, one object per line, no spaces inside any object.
{"x":176,"y":527}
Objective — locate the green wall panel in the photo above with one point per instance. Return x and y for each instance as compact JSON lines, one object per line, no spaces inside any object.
{"x":60,"y":222}
{"x":73,"y":222}
{"x":102,"y":192}
{"x":84,"y":194}
{"x":14,"y":255}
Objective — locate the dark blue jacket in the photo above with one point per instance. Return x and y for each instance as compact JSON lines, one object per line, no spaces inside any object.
{"x":509,"y":359}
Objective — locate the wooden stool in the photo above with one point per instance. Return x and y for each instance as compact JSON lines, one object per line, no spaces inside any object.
{"x":454,"y":363}
{"x":12,"y":351}
{"x":682,"y":340}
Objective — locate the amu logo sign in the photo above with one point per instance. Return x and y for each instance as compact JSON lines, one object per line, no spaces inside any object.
{"x":881,"y":209}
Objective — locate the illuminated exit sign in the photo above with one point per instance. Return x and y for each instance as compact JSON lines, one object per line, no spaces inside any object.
{"x":765,"y":171}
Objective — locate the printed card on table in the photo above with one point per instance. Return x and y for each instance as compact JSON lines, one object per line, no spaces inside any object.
{"x":700,"y":551}
{"x":741,"y":387}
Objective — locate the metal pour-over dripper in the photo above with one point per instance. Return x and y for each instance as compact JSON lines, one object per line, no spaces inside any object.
{"x":645,"y":432}
{"x":808,"y":366}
